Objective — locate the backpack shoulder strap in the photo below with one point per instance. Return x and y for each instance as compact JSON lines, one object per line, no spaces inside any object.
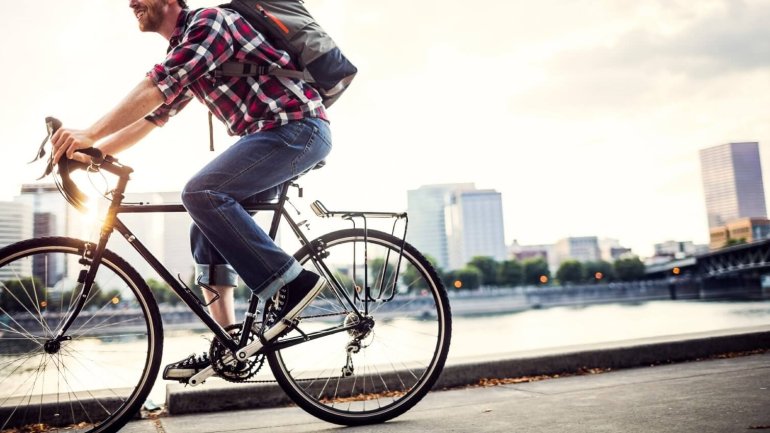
{"x":245,"y":69}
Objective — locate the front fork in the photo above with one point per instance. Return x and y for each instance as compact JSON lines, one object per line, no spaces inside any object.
{"x":92,"y":258}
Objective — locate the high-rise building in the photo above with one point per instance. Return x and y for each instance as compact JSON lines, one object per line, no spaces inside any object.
{"x":732,"y":182}
{"x":474,"y":226}
{"x":53,"y":216}
{"x":453,"y":223}
{"x":15,"y":225}
{"x":427,"y":226}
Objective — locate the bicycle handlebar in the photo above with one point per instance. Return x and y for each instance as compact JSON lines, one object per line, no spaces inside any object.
{"x":99,"y":161}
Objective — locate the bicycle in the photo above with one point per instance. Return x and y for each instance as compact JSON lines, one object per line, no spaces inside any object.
{"x":366,"y":350}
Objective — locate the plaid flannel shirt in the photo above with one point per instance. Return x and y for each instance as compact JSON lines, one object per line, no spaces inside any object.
{"x":206,"y":38}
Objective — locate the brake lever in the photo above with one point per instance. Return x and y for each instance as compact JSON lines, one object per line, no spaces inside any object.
{"x":52,"y":125}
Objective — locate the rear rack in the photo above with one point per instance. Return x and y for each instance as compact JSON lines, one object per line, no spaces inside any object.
{"x":321,"y":211}
{"x":384,"y":293}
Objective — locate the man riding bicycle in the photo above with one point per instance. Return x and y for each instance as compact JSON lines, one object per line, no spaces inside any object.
{"x":283,"y":130}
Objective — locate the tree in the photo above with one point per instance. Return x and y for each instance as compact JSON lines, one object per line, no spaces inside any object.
{"x":162,"y":292}
{"x":489,"y":269}
{"x":599,"y":272}
{"x":18,"y":294}
{"x":534,"y":270}
{"x":570,"y":272}
{"x":510,"y":273}
{"x":468,"y":278}
{"x":412,"y":279}
{"x":629,"y":269}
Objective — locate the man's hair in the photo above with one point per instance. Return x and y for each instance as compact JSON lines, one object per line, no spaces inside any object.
{"x":182,"y":3}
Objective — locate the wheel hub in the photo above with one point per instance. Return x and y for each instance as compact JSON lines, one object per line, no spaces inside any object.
{"x":52,"y":346}
{"x":361,"y":328}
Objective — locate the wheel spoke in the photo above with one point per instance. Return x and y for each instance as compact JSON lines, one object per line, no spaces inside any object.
{"x":80,"y":377}
{"x":396,"y":351}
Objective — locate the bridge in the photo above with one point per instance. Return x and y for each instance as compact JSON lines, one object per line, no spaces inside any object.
{"x":741,"y":268}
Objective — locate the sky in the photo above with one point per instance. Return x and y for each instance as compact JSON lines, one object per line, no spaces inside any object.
{"x":587,"y":115}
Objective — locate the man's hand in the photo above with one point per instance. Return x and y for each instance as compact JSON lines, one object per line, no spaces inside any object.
{"x":67,"y":141}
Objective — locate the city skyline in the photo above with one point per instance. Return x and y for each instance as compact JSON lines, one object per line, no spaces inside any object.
{"x":47,"y":214}
{"x":593,"y":129}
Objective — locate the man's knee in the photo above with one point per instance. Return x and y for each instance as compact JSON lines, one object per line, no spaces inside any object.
{"x":197,"y":194}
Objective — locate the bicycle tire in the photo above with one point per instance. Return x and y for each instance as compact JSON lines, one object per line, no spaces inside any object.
{"x":403,"y":330}
{"x":84,"y":383}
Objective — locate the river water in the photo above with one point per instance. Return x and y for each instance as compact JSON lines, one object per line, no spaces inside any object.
{"x":474,"y":337}
{"x":502,"y":335}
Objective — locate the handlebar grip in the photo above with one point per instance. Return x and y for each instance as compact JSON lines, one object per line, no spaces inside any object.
{"x":53,"y":124}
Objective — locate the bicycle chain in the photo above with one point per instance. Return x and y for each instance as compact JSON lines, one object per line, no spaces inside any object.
{"x":298,"y":380}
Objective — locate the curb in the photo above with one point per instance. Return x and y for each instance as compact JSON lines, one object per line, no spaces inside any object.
{"x":223,"y":396}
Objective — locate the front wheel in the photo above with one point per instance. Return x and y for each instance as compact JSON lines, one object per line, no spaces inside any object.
{"x":98,"y":375}
{"x":397,"y":323}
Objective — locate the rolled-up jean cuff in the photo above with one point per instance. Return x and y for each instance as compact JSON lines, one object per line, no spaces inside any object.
{"x":271,"y":289}
{"x":216,"y":275}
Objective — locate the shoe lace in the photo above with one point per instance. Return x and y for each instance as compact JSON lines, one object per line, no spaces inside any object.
{"x":279,"y":299}
{"x":195,"y":359}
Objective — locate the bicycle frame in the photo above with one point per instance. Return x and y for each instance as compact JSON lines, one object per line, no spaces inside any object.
{"x":240,"y":348}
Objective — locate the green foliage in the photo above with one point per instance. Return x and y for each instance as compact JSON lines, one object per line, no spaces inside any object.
{"x":162,"y":292}
{"x":570,"y":272}
{"x":343,"y":278}
{"x":18,"y":295}
{"x":735,"y":241}
{"x":489,"y":269}
{"x":604,"y":268}
{"x":629,"y":269}
{"x":468,"y":277}
{"x":510,"y":273}
{"x":534,"y":269}
{"x":30,"y":294}
{"x":411,"y":279}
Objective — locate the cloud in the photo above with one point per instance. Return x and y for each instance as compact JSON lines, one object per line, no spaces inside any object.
{"x":648,"y":65}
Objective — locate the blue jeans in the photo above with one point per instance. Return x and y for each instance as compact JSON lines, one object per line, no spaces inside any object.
{"x":225,"y":238}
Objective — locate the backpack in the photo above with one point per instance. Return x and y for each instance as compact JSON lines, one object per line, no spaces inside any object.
{"x":290,"y":27}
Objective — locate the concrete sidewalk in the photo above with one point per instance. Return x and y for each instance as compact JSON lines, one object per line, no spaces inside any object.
{"x":722,"y":395}
{"x":217,"y":395}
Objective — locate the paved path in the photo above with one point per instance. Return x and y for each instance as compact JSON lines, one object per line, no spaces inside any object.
{"x":723,"y":395}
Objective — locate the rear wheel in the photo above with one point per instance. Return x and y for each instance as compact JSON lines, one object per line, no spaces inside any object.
{"x":98,"y":375}
{"x":388,"y":359}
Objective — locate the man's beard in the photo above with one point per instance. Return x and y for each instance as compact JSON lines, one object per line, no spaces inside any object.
{"x":153,"y":17}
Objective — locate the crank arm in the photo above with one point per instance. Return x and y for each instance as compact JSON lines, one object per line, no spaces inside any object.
{"x":245,"y":353}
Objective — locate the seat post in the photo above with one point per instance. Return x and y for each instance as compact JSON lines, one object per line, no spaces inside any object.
{"x":279,"y":210}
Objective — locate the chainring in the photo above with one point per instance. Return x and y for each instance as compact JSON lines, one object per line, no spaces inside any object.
{"x":234,"y":371}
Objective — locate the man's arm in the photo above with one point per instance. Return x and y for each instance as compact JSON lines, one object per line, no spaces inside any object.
{"x":141,"y":101}
{"x":126,"y":137}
